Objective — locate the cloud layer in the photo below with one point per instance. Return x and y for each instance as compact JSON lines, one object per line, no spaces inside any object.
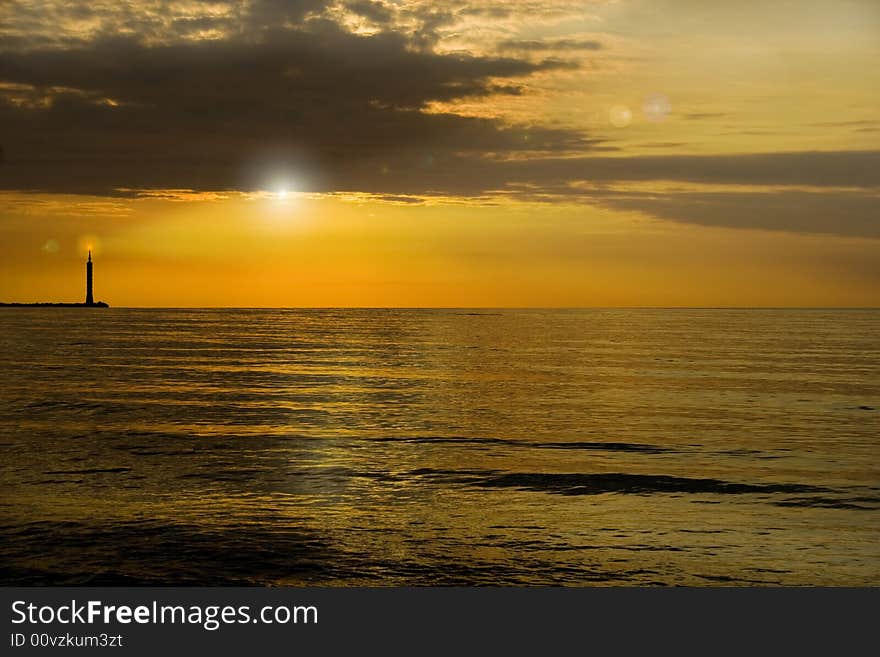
{"x":116,"y":112}
{"x":334,"y":96}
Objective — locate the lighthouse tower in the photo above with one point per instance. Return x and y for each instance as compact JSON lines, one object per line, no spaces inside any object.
{"x":90,"y":301}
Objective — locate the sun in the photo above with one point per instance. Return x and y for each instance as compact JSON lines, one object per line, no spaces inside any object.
{"x":281,"y":194}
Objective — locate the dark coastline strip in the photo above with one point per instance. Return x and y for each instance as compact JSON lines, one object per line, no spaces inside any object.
{"x":97,"y":304}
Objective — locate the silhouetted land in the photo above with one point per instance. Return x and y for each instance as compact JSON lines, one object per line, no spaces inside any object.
{"x":88,"y":303}
{"x":99,"y":304}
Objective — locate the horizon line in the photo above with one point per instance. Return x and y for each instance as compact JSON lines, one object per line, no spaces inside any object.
{"x":646,"y":307}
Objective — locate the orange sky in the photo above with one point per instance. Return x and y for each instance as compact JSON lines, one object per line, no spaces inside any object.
{"x":332,"y":252}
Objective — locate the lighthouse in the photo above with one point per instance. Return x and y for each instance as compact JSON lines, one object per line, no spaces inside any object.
{"x":90,"y":301}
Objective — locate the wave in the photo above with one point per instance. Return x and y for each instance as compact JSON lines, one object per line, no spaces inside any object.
{"x":640,"y":484}
{"x":575,"y":445}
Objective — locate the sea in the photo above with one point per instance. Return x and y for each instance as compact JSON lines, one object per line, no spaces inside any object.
{"x":619,"y":447}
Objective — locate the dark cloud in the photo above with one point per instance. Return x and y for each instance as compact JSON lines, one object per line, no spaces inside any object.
{"x":188,"y":26}
{"x":323,"y":63}
{"x":550,"y":44}
{"x":700,"y":116}
{"x":845,"y":124}
{"x":842,"y":194}
{"x":209,"y":114}
{"x":376,"y":12}
{"x":663,"y":144}
{"x":845,"y":213}
{"x":750,"y":133}
{"x":487,"y":12}
{"x":431,"y":21}
{"x":263,"y":13}
{"x":803,"y":168}
{"x":844,"y":200}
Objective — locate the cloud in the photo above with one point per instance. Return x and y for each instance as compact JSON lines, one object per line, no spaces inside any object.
{"x":262,"y":13}
{"x":222,"y":95}
{"x":804,"y":192}
{"x":116,"y":112}
{"x":700,"y":116}
{"x":550,"y":44}
{"x":843,"y":195}
{"x":801,"y":168}
{"x":663,"y":144}
{"x":377,"y":12}
{"x":844,"y":213}
{"x":845,"y":124}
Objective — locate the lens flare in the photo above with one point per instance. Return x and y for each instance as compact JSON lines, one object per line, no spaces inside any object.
{"x":51,"y":246}
{"x":88,"y":243}
{"x":620,"y":116}
{"x":656,"y":107}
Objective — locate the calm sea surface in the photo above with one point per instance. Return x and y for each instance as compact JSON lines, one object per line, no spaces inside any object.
{"x":378,"y":447}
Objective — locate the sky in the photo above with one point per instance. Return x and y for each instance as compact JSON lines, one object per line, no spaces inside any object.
{"x":319,"y":153}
